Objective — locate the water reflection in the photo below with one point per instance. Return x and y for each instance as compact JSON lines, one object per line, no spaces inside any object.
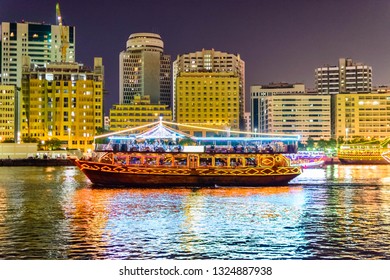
{"x":339,"y":212}
{"x":183,"y":223}
{"x":31,"y":213}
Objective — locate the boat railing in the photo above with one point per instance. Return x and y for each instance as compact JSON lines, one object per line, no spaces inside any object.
{"x":209,"y":149}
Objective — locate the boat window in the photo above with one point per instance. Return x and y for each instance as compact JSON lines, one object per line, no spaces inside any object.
{"x":181,"y":161}
{"x":205,"y":161}
{"x":251,"y":161}
{"x":120,"y":159}
{"x":235,"y":162}
{"x":166,"y":160}
{"x":150,"y":160}
{"x":135,"y":160}
{"x":220,"y":161}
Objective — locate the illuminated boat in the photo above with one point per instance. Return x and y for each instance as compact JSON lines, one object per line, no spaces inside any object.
{"x":362,"y":154}
{"x":307,"y":159}
{"x":155,"y":163}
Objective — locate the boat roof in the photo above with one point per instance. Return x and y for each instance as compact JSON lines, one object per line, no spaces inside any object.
{"x":164,"y":130}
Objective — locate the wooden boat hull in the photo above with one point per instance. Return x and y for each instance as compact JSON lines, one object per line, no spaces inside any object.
{"x":362,"y":154}
{"x":101,"y":174}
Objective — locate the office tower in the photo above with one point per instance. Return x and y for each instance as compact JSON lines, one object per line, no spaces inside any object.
{"x":347,"y":76}
{"x":43,"y":43}
{"x":211,"y":61}
{"x":64,"y":101}
{"x":288,"y":108}
{"x":139,"y":112}
{"x":208,"y":99}
{"x":145,"y":70}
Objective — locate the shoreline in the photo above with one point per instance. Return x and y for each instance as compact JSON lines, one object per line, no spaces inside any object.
{"x":35,"y":162}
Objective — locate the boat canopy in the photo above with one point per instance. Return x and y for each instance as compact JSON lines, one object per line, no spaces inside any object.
{"x":163,"y":130}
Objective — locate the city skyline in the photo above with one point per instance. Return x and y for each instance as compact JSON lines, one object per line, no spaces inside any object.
{"x":280,"y":41}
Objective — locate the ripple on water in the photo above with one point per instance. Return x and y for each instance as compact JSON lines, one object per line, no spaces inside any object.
{"x":339,"y":212}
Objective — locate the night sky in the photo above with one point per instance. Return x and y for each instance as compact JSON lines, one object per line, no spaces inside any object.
{"x":280,"y":41}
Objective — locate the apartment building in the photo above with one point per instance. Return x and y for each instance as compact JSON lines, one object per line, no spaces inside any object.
{"x":64,"y":101}
{"x":139,"y":112}
{"x":208,"y":99}
{"x":288,"y":108}
{"x":7,"y":112}
{"x":347,"y":76}
{"x":212,"y":61}
{"x":364,"y":115}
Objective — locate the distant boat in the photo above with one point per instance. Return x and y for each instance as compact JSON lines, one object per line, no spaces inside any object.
{"x":156,"y":163}
{"x":307,"y":159}
{"x":362,"y":154}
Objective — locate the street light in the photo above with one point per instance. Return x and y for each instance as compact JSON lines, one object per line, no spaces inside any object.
{"x":346,"y":135}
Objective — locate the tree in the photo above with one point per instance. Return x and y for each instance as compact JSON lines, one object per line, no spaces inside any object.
{"x":100,"y":131}
{"x":53,"y":144}
{"x":29,"y":139}
{"x":186,"y":141}
{"x":322,"y":144}
{"x":332,"y":143}
{"x":310,"y":143}
{"x":340,"y":140}
{"x":8,"y":140}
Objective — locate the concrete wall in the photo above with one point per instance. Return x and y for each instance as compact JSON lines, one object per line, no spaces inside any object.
{"x":26,"y":150}
{"x":12,"y":150}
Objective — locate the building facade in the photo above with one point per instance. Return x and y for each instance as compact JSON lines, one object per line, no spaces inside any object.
{"x":363,"y":115}
{"x":208,"y":99}
{"x":288,"y":108}
{"x":248,"y":121}
{"x":139,"y":112}
{"x":145,"y":70}
{"x":212,"y":61}
{"x":41,"y":42}
{"x":7,"y":112}
{"x":63,"y":101}
{"x":347,"y":76}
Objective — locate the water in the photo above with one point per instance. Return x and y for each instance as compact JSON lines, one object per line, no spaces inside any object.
{"x":339,"y":212}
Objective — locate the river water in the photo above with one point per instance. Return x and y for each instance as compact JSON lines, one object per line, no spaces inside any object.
{"x":338,"y":212}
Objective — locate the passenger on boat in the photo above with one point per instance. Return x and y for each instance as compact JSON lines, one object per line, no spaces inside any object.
{"x":269,"y":149}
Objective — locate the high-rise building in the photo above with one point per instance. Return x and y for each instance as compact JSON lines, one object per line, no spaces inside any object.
{"x":288,"y":108}
{"x":139,"y":112}
{"x":364,"y":115}
{"x":145,"y":70}
{"x":41,"y":42}
{"x":7,"y":112}
{"x":208,"y":99}
{"x":63,"y":101}
{"x":211,"y":61}
{"x":347,"y":76}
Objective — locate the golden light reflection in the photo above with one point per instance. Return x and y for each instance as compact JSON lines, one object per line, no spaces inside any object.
{"x":3,"y":204}
{"x":98,"y":216}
